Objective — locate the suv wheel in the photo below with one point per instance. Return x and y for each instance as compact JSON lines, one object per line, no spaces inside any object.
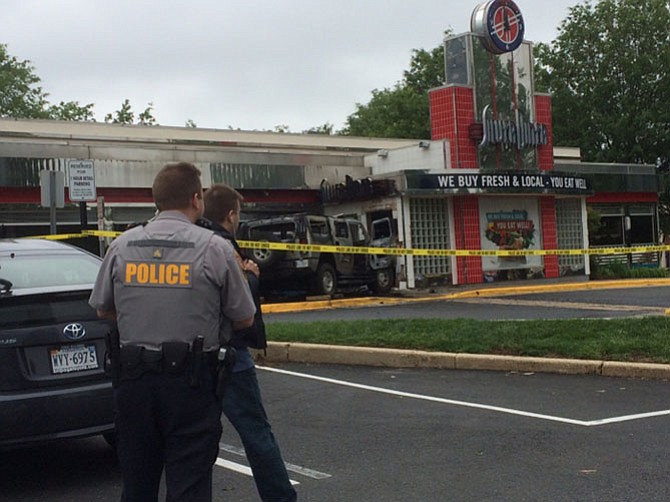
{"x":325,"y":282}
{"x":264,"y":258}
{"x":384,"y":279}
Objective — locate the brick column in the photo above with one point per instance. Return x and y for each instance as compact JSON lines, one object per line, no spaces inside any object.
{"x":545,"y":153}
{"x":466,"y":216}
{"x":549,"y":235}
{"x":452,"y":111}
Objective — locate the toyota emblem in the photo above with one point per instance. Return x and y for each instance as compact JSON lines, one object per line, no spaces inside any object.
{"x":74,"y":331}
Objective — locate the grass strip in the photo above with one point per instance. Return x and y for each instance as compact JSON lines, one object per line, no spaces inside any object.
{"x":645,"y":339}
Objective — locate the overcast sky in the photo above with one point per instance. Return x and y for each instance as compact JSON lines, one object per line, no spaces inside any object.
{"x":248,"y":64}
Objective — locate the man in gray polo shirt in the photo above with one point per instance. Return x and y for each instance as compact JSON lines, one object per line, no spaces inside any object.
{"x":170,"y":284}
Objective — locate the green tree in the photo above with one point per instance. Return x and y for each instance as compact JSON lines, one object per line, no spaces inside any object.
{"x":391,"y":113}
{"x":426,"y":69}
{"x":147,"y":117}
{"x":22,"y":97}
{"x":126,"y":115}
{"x":326,"y":129}
{"x":123,"y":115}
{"x":71,"y":110}
{"x":402,"y":111}
{"x":20,"y":93}
{"x":609,"y":75}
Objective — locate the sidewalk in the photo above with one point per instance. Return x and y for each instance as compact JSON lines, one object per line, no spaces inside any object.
{"x":331,"y":354}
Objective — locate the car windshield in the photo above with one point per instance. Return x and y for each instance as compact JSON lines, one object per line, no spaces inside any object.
{"x":40,"y":271}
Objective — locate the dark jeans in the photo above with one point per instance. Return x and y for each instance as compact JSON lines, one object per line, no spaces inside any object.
{"x":162,"y":422}
{"x":243,"y":407}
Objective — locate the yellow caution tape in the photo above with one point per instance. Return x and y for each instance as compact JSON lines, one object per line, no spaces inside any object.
{"x":57,"y":237}
{"x":323,"y":248}
{"x":101,"y":233}
{"x":320,"y":248}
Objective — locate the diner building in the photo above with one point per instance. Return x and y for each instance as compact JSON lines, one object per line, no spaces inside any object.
{"x":489,"y":179}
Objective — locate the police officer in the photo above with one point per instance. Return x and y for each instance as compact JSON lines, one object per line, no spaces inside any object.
{"x":242,"y":403}
{"x":170,"y":284}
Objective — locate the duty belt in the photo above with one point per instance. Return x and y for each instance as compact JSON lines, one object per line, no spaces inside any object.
{"x":173,"y":358}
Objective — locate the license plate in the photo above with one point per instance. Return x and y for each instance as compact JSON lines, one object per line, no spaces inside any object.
{"x":71,"y":358}
{"x":301,"y":263}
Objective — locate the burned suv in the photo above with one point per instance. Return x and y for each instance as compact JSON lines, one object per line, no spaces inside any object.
{"x":320,"y":273}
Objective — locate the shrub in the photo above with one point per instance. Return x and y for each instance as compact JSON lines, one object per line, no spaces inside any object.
{"x":623,"y":271}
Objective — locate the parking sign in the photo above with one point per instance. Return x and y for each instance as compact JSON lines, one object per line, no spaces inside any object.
{"x":81,"y":180}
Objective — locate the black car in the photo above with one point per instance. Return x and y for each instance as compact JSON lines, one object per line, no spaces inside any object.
{"x":52,"y":345}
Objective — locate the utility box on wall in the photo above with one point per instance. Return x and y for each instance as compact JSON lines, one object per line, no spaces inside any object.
{"x":52,"y":188}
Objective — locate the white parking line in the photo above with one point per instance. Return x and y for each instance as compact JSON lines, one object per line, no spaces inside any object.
{"x":510,"y":411}
{"x":310,"y":473}
{"x":242,"y":469}
{"x":627,"y":418}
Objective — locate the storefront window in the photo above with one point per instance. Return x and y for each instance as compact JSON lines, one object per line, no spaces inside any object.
{"x":613,"y":230}
{"x":642,"y":229}
{"x":610,"y":232}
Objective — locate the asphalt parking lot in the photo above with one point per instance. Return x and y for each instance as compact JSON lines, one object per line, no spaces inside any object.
{"x":363,"y":433}
{"x":369,"y":434}
{"x":358,"y":433}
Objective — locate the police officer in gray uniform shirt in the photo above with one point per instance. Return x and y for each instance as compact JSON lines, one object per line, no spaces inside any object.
{"x":170,"y":285}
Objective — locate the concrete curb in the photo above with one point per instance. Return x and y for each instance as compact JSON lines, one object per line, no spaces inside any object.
{"x":491,"y":291}
{"x":394,"y":358}
{"x":279,"y":308}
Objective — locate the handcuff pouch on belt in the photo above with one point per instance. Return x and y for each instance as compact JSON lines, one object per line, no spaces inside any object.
{"x":175,"y":358}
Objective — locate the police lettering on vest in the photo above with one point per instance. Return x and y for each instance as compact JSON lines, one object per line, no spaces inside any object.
{"x":152,"y":274}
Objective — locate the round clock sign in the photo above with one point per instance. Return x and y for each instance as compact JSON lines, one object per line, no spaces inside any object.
{"x":500,"y":24}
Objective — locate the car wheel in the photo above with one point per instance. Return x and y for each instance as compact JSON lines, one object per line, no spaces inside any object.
{"x":325,"y":282}
{"x":384,"y":279}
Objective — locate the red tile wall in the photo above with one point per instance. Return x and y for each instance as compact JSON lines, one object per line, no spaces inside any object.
{"x":452,"y":110}
{"x":442,"y":122}
{"x":466,"y":217}
{"x":549,"y":235}
{"x":545,"y":153}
